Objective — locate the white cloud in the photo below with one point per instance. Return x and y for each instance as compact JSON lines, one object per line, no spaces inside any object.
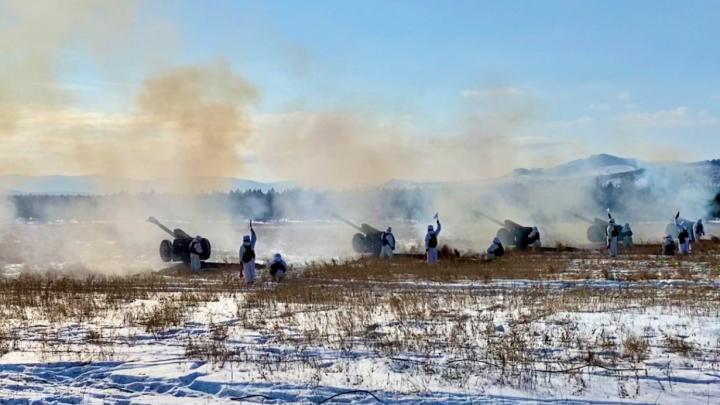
{"x":580,"y":122}
{"x":679,"y":117}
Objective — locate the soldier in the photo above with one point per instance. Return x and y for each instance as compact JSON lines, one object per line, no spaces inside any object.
{"x":388,"y":243}
{"x":534,"y":238}
{"x":626,"y":234}
{"x":431,"y":241}
{"x":496,"y":249}
{"x":699,"y":230}
{"x":278,"y":268}
{"x":684,"y":240}
{"x":247,"y":256}
{"x":195,"y":251}
{"x":683,"y":235}
{"x":668,"y":246}
{"x":612,"y":237}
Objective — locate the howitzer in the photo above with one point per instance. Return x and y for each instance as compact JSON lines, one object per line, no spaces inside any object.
{"x":488,"y":217}
{"x":584,"y":219}
{"x":367,"y":240}
{"x":597,"y":231}
{"x":511,"y":233}
{"x":179,"y":249}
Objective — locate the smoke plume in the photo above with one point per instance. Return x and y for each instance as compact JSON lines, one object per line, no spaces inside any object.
{"x":204,"y":108}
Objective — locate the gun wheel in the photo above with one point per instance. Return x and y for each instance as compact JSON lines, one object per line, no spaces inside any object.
{"x":596,"y":234}
{"x":206,"y":249}
{"x":359,"y":243}
{"x":166,"y":250}
{"x":505,"y":237}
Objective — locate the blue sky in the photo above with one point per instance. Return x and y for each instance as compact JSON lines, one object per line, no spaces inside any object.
{"x":579,"y":58}
{"x":663,"y":53}
{"x":637,"y":78}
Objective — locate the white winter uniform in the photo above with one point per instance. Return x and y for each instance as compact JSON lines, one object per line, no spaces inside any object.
{"x":535,"y":234}
{"x":432,"y":252}
{"x":612,"y":241}
{"x":668,"y":246}
{"x":691,"y":231}
{"x":195,"y":251}
{"x":626,"y":234}
{"x":494,"y":249}
{"x":249,"y":265}
{"x":388,"y":245}
{"x":278,"y":267}
{"x":699,"y":229}
{"x":684,"y":245}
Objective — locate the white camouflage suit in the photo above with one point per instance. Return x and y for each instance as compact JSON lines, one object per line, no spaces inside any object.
{"x":195,"y":251}
{"x":388,"y":243}
{"x":248,"y":266}
{"x":612,"y":241}
{"x":432,"y":252}
{"x":682,"y":225}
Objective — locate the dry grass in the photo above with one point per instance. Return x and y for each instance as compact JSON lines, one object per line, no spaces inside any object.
{"x":677,"y":344}
{"x":635,"y":348}
{"x":401,"y":269}
{"x":449,"y":320}
{"x":213,"y":348}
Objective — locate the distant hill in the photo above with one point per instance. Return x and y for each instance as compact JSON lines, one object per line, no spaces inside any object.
{"x":593,"y":166}
{"x":107,"y":185}
{"x":603,"y":166}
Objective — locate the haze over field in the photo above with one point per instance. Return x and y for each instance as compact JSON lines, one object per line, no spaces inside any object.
{"x":346,"y":95}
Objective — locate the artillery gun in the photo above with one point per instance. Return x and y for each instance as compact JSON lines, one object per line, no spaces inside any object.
{"x":511,"y":233}
{"x":367,"y":240}
{"x":597,"y":231}
{"x":179,"y":249}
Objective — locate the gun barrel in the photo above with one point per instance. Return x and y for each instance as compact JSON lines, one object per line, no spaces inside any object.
{"x":481,"y":215}
{"x":341,"y":219}
{"x":582,"y":218}
{"x":154,"y":220}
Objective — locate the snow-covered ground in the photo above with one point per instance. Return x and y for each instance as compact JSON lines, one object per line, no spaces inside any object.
{"x":569,"y":333}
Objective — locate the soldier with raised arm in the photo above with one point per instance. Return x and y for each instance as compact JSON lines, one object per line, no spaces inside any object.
{"x":247,"y":256}
{"x":431,"y":241}
{"x":612,"y":233}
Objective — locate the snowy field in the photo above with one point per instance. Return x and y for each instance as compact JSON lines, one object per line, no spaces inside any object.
{"x":549,"y":327}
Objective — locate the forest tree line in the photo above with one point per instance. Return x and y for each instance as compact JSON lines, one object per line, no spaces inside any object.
{"x":301,"y":204}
